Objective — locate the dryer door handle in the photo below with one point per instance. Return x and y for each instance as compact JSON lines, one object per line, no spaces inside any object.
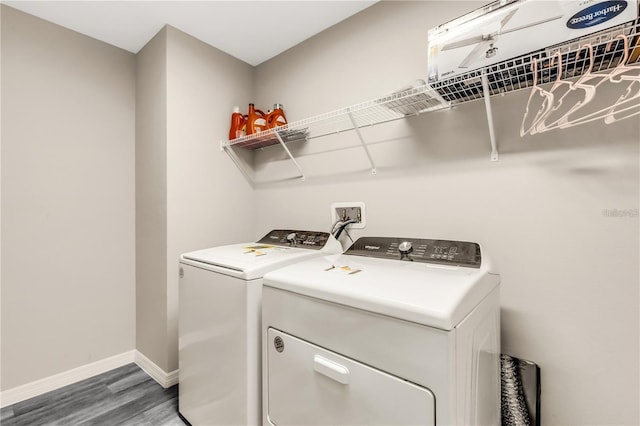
{"x":333,"y":370}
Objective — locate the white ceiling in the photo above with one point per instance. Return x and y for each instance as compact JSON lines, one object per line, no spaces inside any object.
{"x":253,"y":31}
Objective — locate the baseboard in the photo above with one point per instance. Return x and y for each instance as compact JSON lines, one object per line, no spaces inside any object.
{"x":164,"y":379}
{"x":38,"y":387}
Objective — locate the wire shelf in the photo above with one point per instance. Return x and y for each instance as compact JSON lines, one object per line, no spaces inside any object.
{"x":516,"y":74}
{"x":397,"y":105}
{"x":506,"y":76}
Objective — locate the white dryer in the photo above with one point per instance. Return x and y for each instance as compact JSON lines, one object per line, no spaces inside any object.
{"x":219,"y":323}
{"x":394,"y":332}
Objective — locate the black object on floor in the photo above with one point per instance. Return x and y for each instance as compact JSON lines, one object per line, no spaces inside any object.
{"x":520,"y":392}
{"x":124,"y":396}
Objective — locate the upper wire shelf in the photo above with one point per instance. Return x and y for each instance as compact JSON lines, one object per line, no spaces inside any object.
{"x":507,"y":76}
{"x":517,"y":74}
{"x":397,"y":105}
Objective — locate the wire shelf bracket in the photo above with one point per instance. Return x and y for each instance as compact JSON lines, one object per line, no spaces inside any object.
{"x":234,"y":158}
{"x":364,"y":145}
{"x":277,"y":135}
{"x":487,"y":105}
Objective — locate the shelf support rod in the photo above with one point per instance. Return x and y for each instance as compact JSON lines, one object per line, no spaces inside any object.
{"x":364,"y":145}
{"x":487,"y":104}
{"x":289,"y":154}
{"x":231,"y":153}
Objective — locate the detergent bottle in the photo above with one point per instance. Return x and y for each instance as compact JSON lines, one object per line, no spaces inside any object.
{"x":276,"y":117}
{"x":238,"y":124}
{"x":256,"y":120}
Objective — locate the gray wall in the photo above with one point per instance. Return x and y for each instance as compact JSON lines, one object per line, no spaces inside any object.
{"x":188,"y":196}
{"x":570,"y":274}
{"x":151,"y":201}
{"x":208,"y":201}
{"x":100,"y":113}
{"x":68,"y":283}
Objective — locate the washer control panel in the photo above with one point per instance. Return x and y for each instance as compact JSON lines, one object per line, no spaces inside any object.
{"x":454,"y":253}
{"x":292,"y":238}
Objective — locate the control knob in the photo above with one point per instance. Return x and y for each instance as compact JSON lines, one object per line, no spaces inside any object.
{"x":405,"y":248}
{"x":291,"y":239}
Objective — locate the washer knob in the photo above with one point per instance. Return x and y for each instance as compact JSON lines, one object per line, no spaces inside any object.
{"x":405,"y":247}
{"x":291,"y":239}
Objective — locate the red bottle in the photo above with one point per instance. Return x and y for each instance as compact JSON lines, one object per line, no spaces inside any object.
{"x":256,"y":120}
{"x":276,"y":117}
{"x":238,"y":124}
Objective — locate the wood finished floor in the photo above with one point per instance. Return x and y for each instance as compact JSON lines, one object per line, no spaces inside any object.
{"x":124,"y":396}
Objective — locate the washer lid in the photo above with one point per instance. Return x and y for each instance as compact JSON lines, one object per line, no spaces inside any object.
{"x":252,"y":260}
{"x":435,"y":295}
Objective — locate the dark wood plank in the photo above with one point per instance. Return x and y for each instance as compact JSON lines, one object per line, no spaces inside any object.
{"x":124,"y":396}
{"x":127,"y":404}
{"x":6,"y":414}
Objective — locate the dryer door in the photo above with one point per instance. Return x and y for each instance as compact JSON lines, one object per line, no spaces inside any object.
{"x":309,"y":385}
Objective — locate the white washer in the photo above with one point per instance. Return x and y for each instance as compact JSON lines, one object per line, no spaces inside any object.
{"x":219,"y":323}
{"x":394,"y":332}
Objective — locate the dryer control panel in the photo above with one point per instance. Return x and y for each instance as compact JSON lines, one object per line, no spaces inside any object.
{"x":454,"y":253}
{"x":292,"y":238}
